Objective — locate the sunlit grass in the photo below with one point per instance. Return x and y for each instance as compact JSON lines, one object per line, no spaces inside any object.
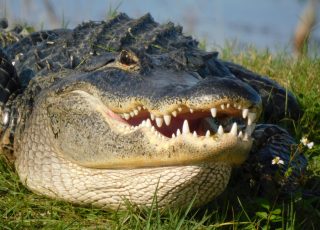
{"x":234,"y":209}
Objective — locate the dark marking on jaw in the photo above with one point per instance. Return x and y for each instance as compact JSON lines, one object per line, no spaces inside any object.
{"x":173,"y":149}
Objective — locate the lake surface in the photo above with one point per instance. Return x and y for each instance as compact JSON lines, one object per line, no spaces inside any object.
{"x":263,"y":23}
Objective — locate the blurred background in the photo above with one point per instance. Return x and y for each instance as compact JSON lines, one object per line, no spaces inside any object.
{"x":270,"y":24}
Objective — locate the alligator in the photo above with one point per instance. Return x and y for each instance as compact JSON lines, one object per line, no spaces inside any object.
{"x":129,"y":110}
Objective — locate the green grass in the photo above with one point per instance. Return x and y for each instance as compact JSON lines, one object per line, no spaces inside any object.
{"x":234,"y":209}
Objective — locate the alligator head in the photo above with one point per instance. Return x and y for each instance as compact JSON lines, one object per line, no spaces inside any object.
{"x":126,"y":115}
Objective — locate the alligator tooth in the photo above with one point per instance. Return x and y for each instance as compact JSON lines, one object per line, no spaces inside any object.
{"x":213,"y":112}
{"x":167,"y":119}
{"x":148,"y":123}
{"x":5,"y":118}
{"x":228,"y":105}
{"x":239,"y":106}
{"x":245,"y":113}
{"x":191,"y":110}
{"x":178,"y":132}
{"x":132,"y":114}
{"x":222,"y":106}
{"x":208,"y":133}
{"x":159,"y":121}
{"x":126,"y":116}
{"x":152,"y":116}
{"x":163,"y":138}
{"x":220,"y":130}
{"x":174,"y":113}
{"x":240,"y":134}
{"x":153,"y":128}
{"x":139,"y":108}
{"x":234,"y":129}
{"x":143,"y":123}
{"x":235,"y":105}
{"x":179,"y":109}
{"x":173,"y":135}
{"x":251,"y":118}
{"x":185,"y":127}
{"x":195,"y":134}
{"x":144,"y":107}
{"x":135,"y":112}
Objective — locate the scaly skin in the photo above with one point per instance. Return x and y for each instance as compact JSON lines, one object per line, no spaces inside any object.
{"x":128,"y":109}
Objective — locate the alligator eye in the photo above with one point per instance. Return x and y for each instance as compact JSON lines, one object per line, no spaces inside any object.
{"x":128,"y":58}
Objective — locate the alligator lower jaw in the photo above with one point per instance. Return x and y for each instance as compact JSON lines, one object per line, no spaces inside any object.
{"x":231,"y":147}
{"x":227,"y":149}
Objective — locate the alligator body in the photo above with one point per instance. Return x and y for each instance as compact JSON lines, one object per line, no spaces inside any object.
{"x":128,"y":109}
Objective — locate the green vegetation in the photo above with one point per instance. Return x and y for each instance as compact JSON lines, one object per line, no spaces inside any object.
{"x":234,"y":209}
{"x":113,"y":11}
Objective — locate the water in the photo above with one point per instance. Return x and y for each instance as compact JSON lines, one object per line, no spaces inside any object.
{"x":263,"y":23}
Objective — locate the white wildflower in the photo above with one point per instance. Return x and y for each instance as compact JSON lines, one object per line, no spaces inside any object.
{"x":277,"y":161}
{"x":310,"y":145}
{"x":304,"y":140}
